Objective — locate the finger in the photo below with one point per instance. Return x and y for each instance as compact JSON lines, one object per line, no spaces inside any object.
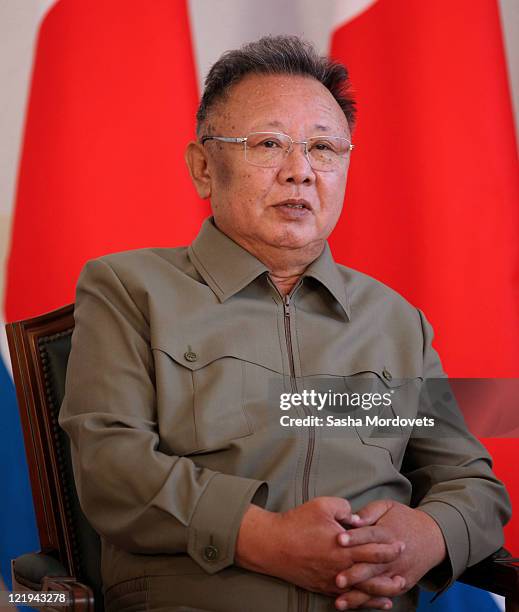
{"x":376,"y":553}
{"x":354,"y":600}
{"x":372,"y":512}
{"x":351,"y":600}
{"x":383,"y":586}
{"x":359,"y":573}
{"x":366,"y":535}
{"x":378,"y":603}
{"x":341,"y":510}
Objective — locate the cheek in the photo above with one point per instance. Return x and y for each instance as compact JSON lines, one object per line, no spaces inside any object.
{"x":252,"y":188}
{"x":331,"y":193}
{"x":241,"y":186}
{"x":234,"y":192}
{"x":223,"y":172}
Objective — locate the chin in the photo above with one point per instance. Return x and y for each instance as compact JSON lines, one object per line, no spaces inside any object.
{"x":291,"y":238}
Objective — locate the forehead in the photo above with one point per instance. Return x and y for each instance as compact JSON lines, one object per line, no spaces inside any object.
{"x":281,"y":103}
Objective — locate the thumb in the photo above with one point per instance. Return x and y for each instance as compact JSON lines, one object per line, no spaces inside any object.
{"x":371,"y":513}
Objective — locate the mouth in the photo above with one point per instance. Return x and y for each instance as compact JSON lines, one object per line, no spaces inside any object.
{"x":295,"y":203}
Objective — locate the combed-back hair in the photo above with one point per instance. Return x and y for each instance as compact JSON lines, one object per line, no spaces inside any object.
{"x":275,"y":55}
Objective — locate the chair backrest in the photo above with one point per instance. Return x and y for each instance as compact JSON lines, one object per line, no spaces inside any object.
{"x":39,"y":349}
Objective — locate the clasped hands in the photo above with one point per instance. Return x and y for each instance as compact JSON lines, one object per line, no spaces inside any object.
{"x":362,"y":559}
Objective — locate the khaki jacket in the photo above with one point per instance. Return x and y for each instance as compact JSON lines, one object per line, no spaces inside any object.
{"x":174,"y":429}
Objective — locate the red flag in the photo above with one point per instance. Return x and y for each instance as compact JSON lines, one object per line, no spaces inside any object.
{"x":432,"y":207}
{"x":111,"y":107}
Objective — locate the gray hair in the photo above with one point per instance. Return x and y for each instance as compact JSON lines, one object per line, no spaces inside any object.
{"x":275,"y":55}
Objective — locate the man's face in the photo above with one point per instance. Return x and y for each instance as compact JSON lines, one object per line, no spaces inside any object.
{"x":247,"y":200}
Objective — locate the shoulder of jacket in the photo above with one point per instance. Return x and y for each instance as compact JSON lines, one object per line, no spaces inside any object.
{"x":131,"y":256}
{"x":139,"y":259}
{"x":361,"y":287}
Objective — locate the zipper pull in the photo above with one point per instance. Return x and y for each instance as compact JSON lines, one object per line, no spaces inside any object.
{"x":286,"y":304}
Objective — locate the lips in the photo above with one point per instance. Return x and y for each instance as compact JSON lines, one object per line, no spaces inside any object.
{"x":296,"y":204}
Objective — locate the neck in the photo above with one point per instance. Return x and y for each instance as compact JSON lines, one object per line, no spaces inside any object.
{"x":286,"y":266}
{"x":285,"y":284}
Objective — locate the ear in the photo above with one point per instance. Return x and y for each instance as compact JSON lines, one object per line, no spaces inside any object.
{"x":196,"y":160}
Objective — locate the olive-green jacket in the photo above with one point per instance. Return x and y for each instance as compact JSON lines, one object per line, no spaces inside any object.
{"x":170,"y":407}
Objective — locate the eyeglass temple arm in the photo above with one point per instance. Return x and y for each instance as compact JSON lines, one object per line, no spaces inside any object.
{"x":223,"y":139}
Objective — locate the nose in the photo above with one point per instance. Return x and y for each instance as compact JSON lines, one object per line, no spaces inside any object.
{"x":296,"y":167}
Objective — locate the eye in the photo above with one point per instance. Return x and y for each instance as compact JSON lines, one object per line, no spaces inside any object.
{"x":323,"y":145}
{"x":270,"y":144}
{"x":265,"y":141}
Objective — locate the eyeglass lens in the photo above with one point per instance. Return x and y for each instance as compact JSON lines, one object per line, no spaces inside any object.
{"x":269,"y":149}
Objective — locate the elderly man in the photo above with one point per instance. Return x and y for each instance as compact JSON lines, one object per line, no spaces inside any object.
{"x":199,"y":504}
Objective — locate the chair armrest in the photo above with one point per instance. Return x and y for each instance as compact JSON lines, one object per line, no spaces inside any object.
{"x":31,"y":568}
{"x":497,"y":574}
{"x":40,"y":573}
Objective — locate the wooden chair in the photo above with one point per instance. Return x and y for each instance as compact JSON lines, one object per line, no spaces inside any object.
{"x":69,"y":559}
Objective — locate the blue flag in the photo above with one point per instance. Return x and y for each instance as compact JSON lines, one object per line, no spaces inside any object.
{"x":18,"y":531}
{"x":459,"y":598}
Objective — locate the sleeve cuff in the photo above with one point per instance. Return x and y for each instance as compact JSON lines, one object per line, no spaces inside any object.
{"x":217,"y":517}
{"x":455,"y":534}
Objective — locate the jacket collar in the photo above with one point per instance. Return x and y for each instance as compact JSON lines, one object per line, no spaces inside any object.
{"x":326,"y":271}
{"x":224,"y":265}
{"x":227,"y":267}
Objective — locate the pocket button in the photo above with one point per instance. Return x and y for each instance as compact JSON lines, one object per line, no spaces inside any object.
{"x":211,"y":553}
{"x":387,"y":374}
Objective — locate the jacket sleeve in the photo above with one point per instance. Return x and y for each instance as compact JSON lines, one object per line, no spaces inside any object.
{"x":137,"y":497}
{"x":452,"y":479}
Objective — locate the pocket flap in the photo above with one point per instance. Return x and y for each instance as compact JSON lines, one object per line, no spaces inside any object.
{"x":385,"y":375}
{"x":196,"y":351}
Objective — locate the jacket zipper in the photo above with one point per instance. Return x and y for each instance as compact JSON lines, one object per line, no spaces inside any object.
{"x":311,"y":439}
{"x":288,"y":338}
{"x":302,"y":596}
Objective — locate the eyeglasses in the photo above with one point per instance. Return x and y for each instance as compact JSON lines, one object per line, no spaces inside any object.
{"x":269,"y":149}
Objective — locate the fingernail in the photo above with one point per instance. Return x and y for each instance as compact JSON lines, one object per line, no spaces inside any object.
{"x":402,"y":547}
{"x":402,"y":583}
{"x":342,"y":605}
{"x":344,"y":539}
{"x":341,"y":582}
{"x":387,"y":606}
{"x":355,"y":518}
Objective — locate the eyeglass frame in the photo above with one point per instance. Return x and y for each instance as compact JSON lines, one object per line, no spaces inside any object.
{"x":243,"y":140}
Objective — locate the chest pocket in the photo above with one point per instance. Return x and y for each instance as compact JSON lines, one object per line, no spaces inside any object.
{"x":203,"y":391}
{"x":384,"y":426}
{"x":199,"y":400}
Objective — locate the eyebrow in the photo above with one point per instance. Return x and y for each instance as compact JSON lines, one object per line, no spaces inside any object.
{"x":278,"y":124}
